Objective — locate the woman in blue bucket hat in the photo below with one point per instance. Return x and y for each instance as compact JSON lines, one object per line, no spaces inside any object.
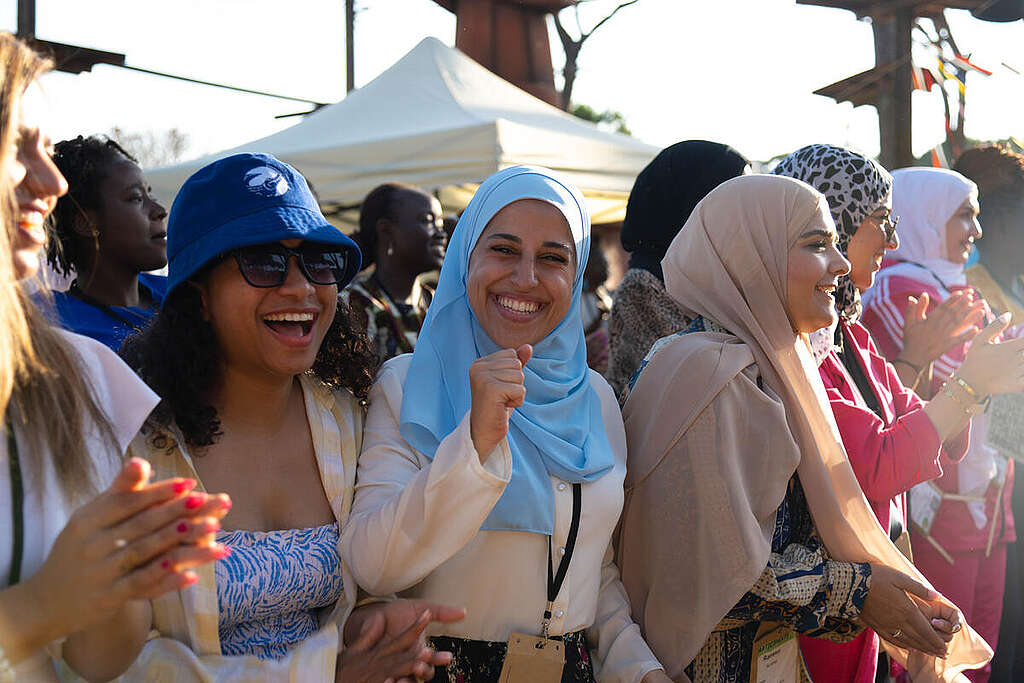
{"x":262,"y":378}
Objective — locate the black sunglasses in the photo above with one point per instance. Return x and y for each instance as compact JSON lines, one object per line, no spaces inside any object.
{"x":266,"y":265}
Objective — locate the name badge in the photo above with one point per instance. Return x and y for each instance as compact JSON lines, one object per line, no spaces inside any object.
{"x":530,"y":659}
{"x":776,"y":656}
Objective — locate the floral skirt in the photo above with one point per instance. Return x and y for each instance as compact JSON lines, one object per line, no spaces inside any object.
{"x":480,"y":661}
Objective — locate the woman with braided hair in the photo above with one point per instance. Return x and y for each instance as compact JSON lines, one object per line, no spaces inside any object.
{"x":107,"y":232}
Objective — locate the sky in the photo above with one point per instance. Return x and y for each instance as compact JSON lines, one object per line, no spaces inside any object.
{"x":736,"y":71}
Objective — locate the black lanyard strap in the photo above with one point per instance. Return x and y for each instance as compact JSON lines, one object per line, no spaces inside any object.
{"x":556,"y":578}
{"x":76,"y":292}
{"x":17,"y":507}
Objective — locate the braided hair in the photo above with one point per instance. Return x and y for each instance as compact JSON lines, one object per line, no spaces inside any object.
{"x":83,"y":162}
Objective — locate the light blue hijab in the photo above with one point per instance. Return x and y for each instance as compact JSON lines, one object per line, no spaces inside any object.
{"x":558,"y":431}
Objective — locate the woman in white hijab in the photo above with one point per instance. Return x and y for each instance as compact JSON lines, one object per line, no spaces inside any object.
{"x":743,"y":521}
{"x":963,"y":521}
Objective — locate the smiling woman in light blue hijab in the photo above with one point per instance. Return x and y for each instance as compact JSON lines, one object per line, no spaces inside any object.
{"x":483,"y":447}
{"x":558,"y":429}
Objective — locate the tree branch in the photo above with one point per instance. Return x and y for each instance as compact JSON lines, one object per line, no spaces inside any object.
{"x":563,"y":35}
{"x":584,"y":36}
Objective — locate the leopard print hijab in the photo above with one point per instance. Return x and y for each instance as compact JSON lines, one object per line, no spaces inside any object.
{"x":855,"y":187}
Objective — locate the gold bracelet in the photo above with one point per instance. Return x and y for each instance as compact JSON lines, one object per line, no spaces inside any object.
{"x":966,"y":387}
{"x":968,"y":408}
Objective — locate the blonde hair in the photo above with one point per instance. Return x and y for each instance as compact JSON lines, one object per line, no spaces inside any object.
{"x":43,"y":393}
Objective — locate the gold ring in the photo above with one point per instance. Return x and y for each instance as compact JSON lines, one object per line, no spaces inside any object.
{"x":129,"y":563}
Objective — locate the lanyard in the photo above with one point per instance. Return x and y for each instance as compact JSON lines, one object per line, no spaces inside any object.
{"x":556,"y":578}
{"x":17,"y":507}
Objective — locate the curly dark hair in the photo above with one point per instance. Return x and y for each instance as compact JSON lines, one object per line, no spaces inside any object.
{"x":177,"y":356}
{"x":83,"y":162}
{"x":998,"y":172}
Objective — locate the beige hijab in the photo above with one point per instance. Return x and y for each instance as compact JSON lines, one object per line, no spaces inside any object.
{"x":711,"y":451}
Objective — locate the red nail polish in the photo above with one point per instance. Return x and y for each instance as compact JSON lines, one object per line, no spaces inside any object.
{"x":166,"y":564}
{"x":223,"y":552}
{"x":227,"y":503}
{"x":182,"y":528}
{"x":184,"y":485}
{"x":192,"y":580}
{"x":194,"y":501}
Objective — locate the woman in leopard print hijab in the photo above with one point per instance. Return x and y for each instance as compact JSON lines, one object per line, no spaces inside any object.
{"x":891,"y":441}
{"x":856,"y":188}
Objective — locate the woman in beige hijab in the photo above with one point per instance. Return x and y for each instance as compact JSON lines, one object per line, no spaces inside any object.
{"x":743,"y":521}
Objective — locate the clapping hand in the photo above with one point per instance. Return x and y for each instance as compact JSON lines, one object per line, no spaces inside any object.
{"x":388,"y":642}
{"x":134,"y":541}
{"x":926,"y":336}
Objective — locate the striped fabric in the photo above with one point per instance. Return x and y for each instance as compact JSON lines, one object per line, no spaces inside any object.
{"x":885,"y":305}
{"x":185,"y":644}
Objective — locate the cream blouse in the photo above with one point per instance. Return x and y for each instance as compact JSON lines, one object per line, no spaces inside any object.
{"x":415,"y":530}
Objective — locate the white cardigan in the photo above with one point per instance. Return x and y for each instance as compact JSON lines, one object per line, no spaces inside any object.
{"x":415,"y":530}
{"x":127,"y":402}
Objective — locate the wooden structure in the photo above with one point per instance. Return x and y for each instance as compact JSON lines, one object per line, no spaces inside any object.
{"x":889,"y":84}
{"x":70,"y":58}
{"x":509,"y":37}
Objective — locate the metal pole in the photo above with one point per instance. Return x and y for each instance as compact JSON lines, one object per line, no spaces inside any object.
{"x":26,"y":19}
{"x":350,"y":51}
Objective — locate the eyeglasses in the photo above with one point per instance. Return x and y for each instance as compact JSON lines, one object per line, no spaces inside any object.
{"x":266,"y":265}
{"x":888,"y":225}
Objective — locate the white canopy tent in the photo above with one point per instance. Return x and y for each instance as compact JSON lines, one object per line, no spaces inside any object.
{"x":438,"y":119}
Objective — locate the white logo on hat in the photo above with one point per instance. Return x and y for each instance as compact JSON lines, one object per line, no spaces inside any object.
{"x":266,"y":181}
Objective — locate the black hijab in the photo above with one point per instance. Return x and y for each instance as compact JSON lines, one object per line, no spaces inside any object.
{"x":665,"y":193}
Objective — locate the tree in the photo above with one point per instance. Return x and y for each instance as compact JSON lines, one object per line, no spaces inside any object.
{"x":613,"y":119}
{"x":572,"y":45}
{"x":152,"y":148}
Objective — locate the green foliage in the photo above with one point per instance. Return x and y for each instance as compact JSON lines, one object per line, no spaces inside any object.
{"x":607,"y":118}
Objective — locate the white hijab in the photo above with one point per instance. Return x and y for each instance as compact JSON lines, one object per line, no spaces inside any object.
{"x":925,"y":199}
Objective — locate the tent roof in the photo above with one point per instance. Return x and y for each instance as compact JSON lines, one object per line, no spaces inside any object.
{"x":437,"y":118}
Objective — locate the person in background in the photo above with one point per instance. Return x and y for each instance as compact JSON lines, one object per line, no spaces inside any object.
{"x":493,"y":458}
{"x":85,"y":538}
{"x":999,"y":174}
{"x":662,"y":198}
{"x":962,"y":521}
{"x":595,"y":306}
{"x":999,"y":273}
{"x":401,"y":234}
{"x":107,"y":231}
{"x":894,"y":439}
{"x":743,"y":520}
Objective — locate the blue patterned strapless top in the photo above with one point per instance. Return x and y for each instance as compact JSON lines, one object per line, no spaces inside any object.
{"x":270,"y":588}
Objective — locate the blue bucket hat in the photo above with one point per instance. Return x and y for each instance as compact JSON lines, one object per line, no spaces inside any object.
{"x":240,"y":201}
